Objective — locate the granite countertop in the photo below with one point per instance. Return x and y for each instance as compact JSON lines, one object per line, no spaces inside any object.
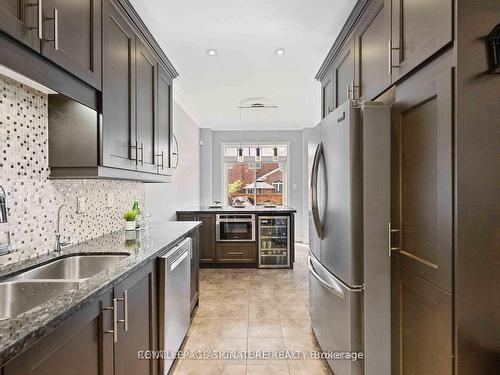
{"x":251,"y":209}
{"x":17,"y":334}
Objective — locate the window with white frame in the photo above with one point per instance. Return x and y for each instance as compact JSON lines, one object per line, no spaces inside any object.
{"x":250,"y":182}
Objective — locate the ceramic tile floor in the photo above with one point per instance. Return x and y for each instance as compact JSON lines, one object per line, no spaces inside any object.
{"x":253,"y":309}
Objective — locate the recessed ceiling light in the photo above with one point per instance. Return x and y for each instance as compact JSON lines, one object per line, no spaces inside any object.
{"x":280,"y":51}
{"x":211,"y":52}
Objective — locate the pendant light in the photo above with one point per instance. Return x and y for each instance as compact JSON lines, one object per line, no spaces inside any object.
{"x":275,"y":148}
{"x":241,"y":159}
{"x":258,"y":157}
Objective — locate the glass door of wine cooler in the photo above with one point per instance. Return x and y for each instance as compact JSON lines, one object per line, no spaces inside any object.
{"x":274,"y":242}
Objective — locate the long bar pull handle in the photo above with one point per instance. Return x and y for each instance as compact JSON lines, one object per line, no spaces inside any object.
{"x":40,"y":19}
{"x":124,"y":299}
{"x":113,"y":308}
{"x":390,"y":231}
{"x":56,"y":29}
{"x":142,"y":153}
{"x":391,"y":65}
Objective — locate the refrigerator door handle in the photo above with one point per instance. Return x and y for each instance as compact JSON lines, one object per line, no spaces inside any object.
{"x":340,"y":284}
{"x":333,"y":288}
{"x":314,"y":190}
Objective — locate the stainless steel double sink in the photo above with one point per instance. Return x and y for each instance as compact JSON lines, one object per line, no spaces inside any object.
{"x":41,"y":284}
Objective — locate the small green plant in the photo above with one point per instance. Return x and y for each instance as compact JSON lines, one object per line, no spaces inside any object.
{"x":129,"y":215}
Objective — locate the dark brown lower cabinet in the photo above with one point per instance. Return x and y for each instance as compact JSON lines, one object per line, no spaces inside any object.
{"x":137,"y":307}
{"x":206,"y":233}
{"x":85,"y":343}
{"x":422,"y":327}
{"x":195,"y":269}
{"x":236,"y":252}
{"x":78,"y":346}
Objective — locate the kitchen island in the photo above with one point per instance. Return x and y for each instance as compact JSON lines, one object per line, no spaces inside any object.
{"x":249,"y":236}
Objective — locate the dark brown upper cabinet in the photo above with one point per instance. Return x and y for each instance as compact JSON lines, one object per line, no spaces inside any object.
{"x":72,"y":37}
{"x":327,"y":94}
{"x":372,"y":38}
{"x":419,"y":29}
{"x":164,"y":111}
{"x":344,"y":73}
{"x":20,"y":19}
{"x":146,"y":114}
{"x":118,"y":96}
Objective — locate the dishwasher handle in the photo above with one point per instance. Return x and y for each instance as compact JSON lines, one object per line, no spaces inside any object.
{"x":179,"y":259}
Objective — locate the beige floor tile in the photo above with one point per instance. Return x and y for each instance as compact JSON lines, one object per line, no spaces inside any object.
{"x":213,"y":369}
{"x":227,"y":345}
{"x":319,"y":368}
{"x":306,"y":342}
{"x":265,"y":328}
{"x":296,"y":328}
{"x":233,"y":311}
{"x":232,"y":328}
{"x":202,"y":327}
{"x":267,"y":369}
{"x":188,"y":367}
{"x":207,"y":310}
{"x":260,"y":347}
{"x":294,"y":312}
{"x":259,"y":311}
{"x":195,"y":343}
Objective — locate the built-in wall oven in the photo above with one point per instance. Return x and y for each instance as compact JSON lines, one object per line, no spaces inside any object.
{"x":235,"y":227}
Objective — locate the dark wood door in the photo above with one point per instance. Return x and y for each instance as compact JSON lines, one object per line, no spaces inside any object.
{"x":419,"y":29}
{"x":344,"y":73}
{"x":118,"y":96}
{"x":327,"y":94}
{"x":72,"y":37}
{"x":146,"y":78}
{"x":137,"y":327}
{"x":422,"y":189}
{"x":164,"y":106}
{"x":372,"y":38}
{"x":79,"y":346}
{"x":19,"y":19}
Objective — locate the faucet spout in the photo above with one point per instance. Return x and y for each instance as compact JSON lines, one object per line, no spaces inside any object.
{"x":59,"y":245}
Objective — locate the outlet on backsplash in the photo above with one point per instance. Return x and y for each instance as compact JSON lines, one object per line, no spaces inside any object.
{"x":81,"y":203}
{"x":33,"y":198}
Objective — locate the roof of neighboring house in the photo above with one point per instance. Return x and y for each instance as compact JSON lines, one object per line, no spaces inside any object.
{"x":260,"y":185}
{"x":270,"y":173}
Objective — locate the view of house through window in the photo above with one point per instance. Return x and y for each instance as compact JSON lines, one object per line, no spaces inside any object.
{"x":250,"y":182}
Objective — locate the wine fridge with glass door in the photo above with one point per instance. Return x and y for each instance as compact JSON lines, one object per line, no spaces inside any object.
{"x":274,"y":241}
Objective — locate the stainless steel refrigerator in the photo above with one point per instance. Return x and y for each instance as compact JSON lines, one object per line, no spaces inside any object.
{"x":349,"y":264}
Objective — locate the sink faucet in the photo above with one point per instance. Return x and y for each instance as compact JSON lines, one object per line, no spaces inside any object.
{"x":7,"y":248}
{"x":59,"y":245}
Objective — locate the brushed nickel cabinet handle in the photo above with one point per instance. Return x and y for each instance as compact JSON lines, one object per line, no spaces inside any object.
{"x":56,"y":30}
{"x":236,"y":253}
{"x":124,"y":299}
{"x":161,"y":158}
{"x":113,"y":308}
{"x":391,"y":48}
{"x":390,"y":231}
{"x":142,"y":153}
{"x":40,"y":19}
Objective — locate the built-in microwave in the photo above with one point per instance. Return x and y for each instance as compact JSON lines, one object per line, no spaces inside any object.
{"x":238,"y":227}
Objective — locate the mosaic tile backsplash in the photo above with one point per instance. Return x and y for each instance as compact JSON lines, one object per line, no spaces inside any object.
{"x":33,"y":199}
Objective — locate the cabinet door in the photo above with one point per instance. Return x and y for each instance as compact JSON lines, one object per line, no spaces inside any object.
{"x":207,"y":238}
{"x":118,"y":96}
{"x":373,"y":36}
{"x":137,"y":327}
{"x":327,"y":94}
{"x":146,"y":75}
{"x":72,"y":37}
{"x":419,"y":29}
{"x":79,"y":346}
{"x":343,"y":73}
{"x":19,"y":19}
{"x":164,"y":106}
{"x":422,"y":198}
{"x":422,"y":327}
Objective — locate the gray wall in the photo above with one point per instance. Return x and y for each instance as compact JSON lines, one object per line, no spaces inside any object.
{"x":212,"y":167}
{"x":164,"y":199}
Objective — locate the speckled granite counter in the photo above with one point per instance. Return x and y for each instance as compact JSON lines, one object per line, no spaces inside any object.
{"x":16,"y":334}
{"x":230,"y":209}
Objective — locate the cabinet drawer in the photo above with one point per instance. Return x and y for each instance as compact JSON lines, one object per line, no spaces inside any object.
{"x":236,"y":252}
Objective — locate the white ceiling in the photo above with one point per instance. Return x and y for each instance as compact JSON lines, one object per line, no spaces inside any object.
{"x":245,"y":35}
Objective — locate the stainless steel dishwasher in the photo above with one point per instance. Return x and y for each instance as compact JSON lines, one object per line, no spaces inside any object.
{"x":175,"y":278}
